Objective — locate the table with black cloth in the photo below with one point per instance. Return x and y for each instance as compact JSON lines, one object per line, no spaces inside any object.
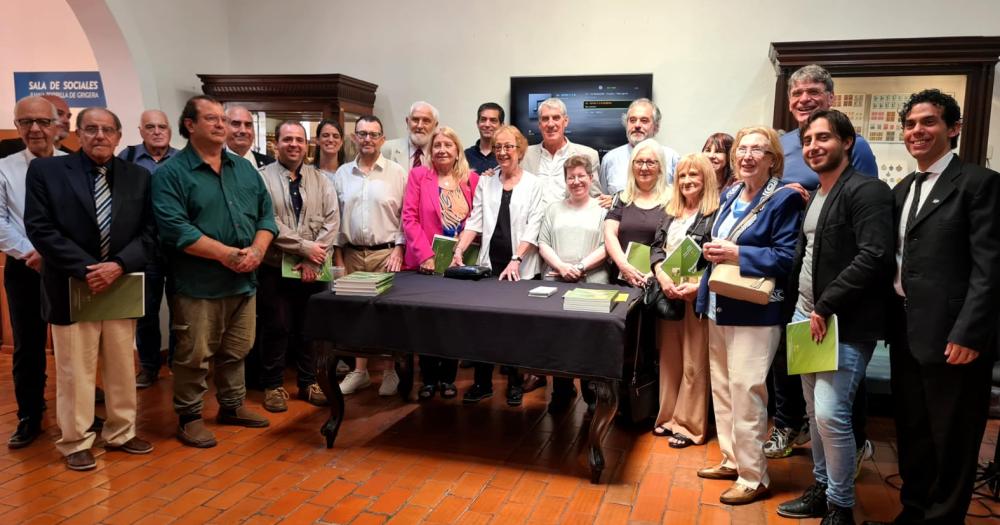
{"x":487,"y":321}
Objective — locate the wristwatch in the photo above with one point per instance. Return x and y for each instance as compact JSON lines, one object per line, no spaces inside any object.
{"x":516,"y":258}
{"x":580,"y":267}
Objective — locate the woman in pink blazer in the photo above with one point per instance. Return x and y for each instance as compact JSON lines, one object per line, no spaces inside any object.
{"x":438,"y":199}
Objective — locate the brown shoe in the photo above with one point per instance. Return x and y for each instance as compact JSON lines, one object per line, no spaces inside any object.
{"x":313,"y":394}
{"x":533,"y":382}
{"x":274,"y":399}
{"x":82,"y":460}
{"x":718,"y":472}
{"x":740,"y":494}
{"x":133,"y":446}
{"x":196,"y":434}
{"x":241,"y":416}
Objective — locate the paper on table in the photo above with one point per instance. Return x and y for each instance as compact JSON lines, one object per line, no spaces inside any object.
{"x":806,"y":356}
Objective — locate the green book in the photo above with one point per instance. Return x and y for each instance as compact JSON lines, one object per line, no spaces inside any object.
{"x":366,"y":278}
{"x":444,"y":250}
{"x":288,"y":262}
{"x":591,"y":294}
{"x":637,"y":255}
{"x":124,"y":299}
{"x":683,"y":261}
{"x":806,"y":356}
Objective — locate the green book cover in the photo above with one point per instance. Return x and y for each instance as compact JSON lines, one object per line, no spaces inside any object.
{"x":637,"y":255}
{"x":124,"y":299}
{"x":444,"y":250}
{"x":806,"y":356}
{"x":591,"y":294}
{"x":288,"y":262}
{"x":366,"y":278}
{"x":683,"y":261}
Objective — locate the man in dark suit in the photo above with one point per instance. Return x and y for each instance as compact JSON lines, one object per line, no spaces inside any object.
{"x":241,"y":137}
{"x":947,"y":300}
{"x":89,"y":215}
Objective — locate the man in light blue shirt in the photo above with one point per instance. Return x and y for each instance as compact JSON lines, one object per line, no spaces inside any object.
{"x":641,"y":121}
{"x":155,"y":149}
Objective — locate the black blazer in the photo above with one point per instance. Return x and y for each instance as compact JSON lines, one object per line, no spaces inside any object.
{"x":262,"y":159}
{"x":700,"y":230}
{"x":852,"y":256}
{"x":61,"y":223}
{"x":951,"y":263}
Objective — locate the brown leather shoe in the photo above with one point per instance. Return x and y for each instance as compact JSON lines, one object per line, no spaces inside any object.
{"x":740,"y":494}
{"x":82,"y":460}
{"x":243,"y":417}
{"x":135,"y":445}
{"x":196,"y":434}
{"x":718,"y":472}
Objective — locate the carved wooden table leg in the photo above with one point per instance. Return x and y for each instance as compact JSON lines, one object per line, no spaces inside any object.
{"x":326,"y":376}
{"x":606,"y":393}
{"x":404,"y":369}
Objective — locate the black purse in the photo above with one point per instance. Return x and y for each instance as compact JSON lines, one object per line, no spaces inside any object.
{"x":661,"y":305}
{"x":468,"y":273}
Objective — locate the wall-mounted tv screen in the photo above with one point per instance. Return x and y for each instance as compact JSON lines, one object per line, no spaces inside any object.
{"x":594,"y":104}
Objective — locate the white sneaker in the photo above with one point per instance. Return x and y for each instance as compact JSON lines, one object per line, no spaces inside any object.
{"x":355,"y":380}
{"x":390,"y":383}
{"x":865,"y":452}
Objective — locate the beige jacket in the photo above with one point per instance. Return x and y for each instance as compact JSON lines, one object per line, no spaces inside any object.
{"x":319,"y":220}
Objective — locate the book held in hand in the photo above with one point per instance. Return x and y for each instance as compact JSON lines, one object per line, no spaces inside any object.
{"x":444,"y":251}
{"x":124,"y":299}
{"x":637,"y":254}
{"x":289,"y":261}
{"x":589,"y":300}
{"x":682,"y":264}
{"x":363,"y":283}
{"x":806,"y":356}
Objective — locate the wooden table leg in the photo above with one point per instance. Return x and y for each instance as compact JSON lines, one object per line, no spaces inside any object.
{"x":326,"y":376}
{"x":606,"y":393}
{"x":404,"y":369}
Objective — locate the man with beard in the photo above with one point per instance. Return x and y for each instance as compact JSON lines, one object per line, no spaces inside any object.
{"x":809,"y":89}
{"x":843,"y":256}
{"x":547,"y":158}
{"x":414,"y":150}
{"x":641,"y":121}
{"x":480,"y":155}
{"x":241,"y":137}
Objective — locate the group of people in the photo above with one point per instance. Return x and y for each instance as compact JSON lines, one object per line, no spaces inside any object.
{"x":214,"y":223}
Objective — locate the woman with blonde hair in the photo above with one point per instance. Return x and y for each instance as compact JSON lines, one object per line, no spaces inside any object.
{"x":683,"y":343}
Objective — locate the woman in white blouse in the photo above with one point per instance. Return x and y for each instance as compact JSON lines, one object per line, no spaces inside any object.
{"x":571,"y":240}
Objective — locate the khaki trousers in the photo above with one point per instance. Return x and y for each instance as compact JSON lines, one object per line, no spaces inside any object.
{"x":365,"y":260}
{"x":216,"y":332}
{"x":684,"y":375}
{"x":79,"y":349}
{"x":739,"y":358}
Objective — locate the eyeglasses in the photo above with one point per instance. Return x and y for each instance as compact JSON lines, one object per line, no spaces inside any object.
{"x":638,"y":163}
{"x":811,"y":92}
{"x":755,"y":153}
{"x":93,"y":131}
{"x":501,"y":148}
{"x":28,"y":122}
{"x":374,"y":135}
{"x":572,"y":178}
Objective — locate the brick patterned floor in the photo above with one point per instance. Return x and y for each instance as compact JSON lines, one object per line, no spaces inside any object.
{"x":396,"y":462}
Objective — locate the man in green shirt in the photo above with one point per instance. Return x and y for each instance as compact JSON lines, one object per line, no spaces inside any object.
{"x":215,"y":222}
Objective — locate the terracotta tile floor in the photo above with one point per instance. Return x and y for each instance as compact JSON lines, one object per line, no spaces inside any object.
{"x":395,"y":462}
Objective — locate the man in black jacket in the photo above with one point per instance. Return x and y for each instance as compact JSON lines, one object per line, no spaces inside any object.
{"x":945,"y":307}
{"x":844,"y":253}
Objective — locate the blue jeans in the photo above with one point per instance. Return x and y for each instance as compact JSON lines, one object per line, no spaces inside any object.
{"x":829,"y":402}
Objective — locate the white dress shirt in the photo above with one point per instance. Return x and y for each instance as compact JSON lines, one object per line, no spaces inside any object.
{"x":549,"y":168}
{"x":933,"y":174}
{"x":615,"y":167}
{"x":13,"y":171}
{"x":526,"y":213}
{"x":370,"y":203}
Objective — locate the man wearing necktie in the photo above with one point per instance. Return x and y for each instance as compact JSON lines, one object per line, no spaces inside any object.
{"x":413,"y":151}
{"x":89,"y":216}
{"x":943,"y":338}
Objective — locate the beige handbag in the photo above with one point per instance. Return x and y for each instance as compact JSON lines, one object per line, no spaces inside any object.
{"x":726,"y":280}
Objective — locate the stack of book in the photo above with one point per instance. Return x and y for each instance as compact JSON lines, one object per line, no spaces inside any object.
{"x":363,"y":283}
{"x":587,"y":300}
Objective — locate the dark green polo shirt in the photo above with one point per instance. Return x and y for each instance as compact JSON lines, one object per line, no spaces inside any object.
{"x":191,"y":200}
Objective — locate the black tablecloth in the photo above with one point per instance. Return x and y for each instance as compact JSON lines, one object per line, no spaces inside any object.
{"x":485,"y":320}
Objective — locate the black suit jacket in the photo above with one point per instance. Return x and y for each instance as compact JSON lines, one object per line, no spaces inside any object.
{"x":951,"y":263}
{"x":852,"y":256}
{"x":61,"y":223}
{"x":262,"y":159}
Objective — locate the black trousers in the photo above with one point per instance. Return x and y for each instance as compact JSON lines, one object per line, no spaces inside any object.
{"x":940,"y":412}
{"x":23,"y":286}
{"x":483,"y":374}
{"x":281,"y":309}
{"x":435,"y":370}
{"x":790,"y":405}
{"x":147,"y":328}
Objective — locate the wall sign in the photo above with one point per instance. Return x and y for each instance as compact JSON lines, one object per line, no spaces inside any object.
{"x":80,"y":89}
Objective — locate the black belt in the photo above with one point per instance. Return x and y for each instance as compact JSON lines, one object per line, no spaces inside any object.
{"x":383,"y":246}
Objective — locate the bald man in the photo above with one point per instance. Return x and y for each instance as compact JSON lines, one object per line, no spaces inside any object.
{"x":37,"y":124}
{"x":151,"y":153}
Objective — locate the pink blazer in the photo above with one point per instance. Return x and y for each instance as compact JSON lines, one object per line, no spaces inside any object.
{"x":422,"y":213}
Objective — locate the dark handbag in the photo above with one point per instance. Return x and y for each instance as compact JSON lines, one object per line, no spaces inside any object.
{"x":643,"y":374}
{"x":469,"y":273}
{"x":661,"y":305}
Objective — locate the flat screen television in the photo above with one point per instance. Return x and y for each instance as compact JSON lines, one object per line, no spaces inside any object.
{"x":594,"y":104}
